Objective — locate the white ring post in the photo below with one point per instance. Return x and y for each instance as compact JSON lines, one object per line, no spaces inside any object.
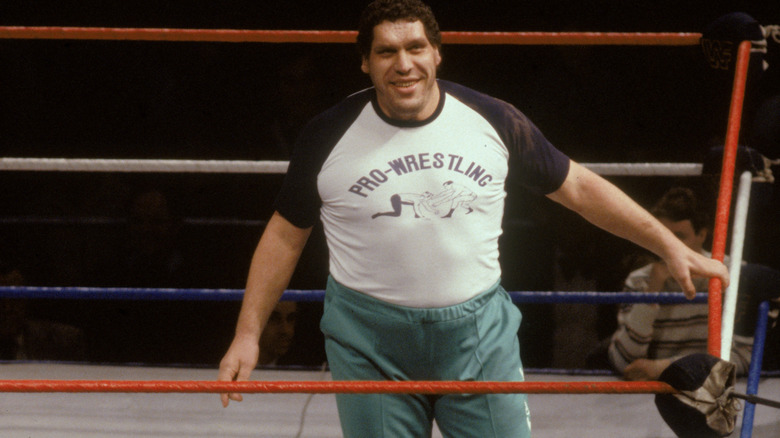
{"x":737,"y":243}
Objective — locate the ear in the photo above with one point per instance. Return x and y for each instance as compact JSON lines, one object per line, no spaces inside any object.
{"x":364,"y":66}
{"x":437,"y":56}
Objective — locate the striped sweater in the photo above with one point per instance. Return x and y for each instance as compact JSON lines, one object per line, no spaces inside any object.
{"x":661,"y":331}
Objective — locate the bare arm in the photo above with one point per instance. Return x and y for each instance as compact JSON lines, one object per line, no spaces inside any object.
{"x":607,"y":207}
{"x":272,"y":266}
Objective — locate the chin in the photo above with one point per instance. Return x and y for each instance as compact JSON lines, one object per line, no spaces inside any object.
{"x":407,"y":112}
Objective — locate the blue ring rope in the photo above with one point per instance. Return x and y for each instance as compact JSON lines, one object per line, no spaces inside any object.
{"x":519,"y":297}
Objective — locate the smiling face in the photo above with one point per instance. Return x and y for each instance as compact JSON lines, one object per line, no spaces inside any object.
{"x":402,"y":65}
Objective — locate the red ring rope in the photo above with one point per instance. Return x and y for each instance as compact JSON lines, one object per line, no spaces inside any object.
{"x":337,"y":36}
{"x":330,"y":387}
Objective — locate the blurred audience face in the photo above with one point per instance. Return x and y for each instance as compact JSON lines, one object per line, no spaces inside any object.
{"x":152,"y":226}
{"x":684,"y":231}
{"x":278,"y":334}
{"x":12,"y":311}
{"x":12,"y":315}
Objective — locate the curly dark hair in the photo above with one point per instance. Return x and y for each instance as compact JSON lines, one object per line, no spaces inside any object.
{"x":679,"y":204}
{"x":394,"y":10}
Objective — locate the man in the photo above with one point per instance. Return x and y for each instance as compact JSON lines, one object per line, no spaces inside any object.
{"x":652,"y":336}
{"x":278,"y":333}
{"x":419,"y":298}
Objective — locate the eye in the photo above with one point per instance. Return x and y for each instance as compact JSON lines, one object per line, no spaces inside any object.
{"x":384,"y":51}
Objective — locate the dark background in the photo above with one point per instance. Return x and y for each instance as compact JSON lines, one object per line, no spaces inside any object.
{"x":186,"y":100}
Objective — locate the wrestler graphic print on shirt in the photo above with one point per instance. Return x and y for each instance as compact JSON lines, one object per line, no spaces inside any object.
{"x":428,"y":204}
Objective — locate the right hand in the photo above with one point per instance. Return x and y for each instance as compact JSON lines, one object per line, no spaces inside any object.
{"x":238,"y":363}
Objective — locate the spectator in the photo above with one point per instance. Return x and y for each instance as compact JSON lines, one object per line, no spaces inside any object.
{"x":651,"y":336}
{"x":149,"y":254}
{"x":24,"y":338}
{"x":279,"y":332}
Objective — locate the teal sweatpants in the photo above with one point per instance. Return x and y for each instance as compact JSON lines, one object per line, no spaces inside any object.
{"x":369,"y":339}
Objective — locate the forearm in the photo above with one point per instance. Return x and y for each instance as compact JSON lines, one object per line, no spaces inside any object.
{"x":606,"y":206}
{"x":273,"y":264}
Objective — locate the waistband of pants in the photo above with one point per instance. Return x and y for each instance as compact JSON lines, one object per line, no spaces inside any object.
{"x":337,"y":291}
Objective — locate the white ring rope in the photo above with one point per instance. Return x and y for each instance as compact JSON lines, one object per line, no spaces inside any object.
{"x":125,"y":165}
{"x":239,"y":166}
{"x":646,"y":169}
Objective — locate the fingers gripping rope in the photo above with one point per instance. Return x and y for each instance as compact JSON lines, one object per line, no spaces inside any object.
{"x":351,"y":387}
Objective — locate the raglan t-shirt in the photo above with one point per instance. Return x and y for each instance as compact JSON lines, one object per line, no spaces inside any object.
{"x":412,"y":210}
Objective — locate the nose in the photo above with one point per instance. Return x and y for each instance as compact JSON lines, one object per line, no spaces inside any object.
{"x":403,"y":62}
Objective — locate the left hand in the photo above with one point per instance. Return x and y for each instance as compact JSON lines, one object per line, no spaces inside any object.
{"x":646,"y":369}
{"x":686,"y":264}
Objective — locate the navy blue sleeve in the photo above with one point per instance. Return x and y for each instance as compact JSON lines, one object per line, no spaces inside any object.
{"x":534,"y":162}
{"x":298,"y":200}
